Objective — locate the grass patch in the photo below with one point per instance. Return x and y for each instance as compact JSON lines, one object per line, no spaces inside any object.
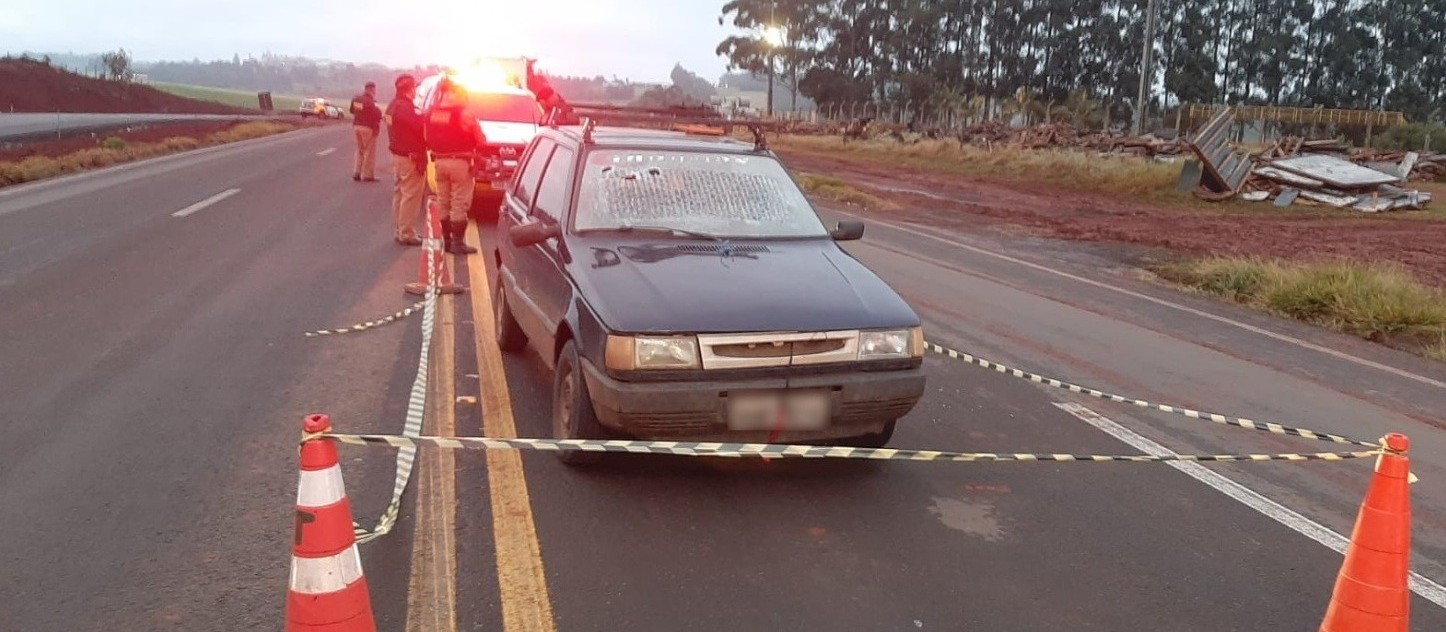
{"x":227,"y":96}
{"x":109,"y":153}
{"x":836,"y":190}
{"x":1378,"y":302}
{"x":1078,"y":170}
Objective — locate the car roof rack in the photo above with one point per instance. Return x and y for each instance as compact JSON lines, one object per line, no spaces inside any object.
{"x":701,"y":120}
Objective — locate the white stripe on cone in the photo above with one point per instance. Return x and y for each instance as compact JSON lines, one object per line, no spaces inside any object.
{"x":320,"y":488}
{"x":321,"y":575}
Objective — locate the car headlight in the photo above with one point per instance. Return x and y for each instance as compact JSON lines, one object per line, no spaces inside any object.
{"x":630,"y":353}
{"x":892,"y":344}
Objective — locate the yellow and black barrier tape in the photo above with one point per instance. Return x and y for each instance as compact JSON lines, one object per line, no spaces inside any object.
{"x":775,"y":450}
{"x":371,"y":324}
{"x":1239,"y":422}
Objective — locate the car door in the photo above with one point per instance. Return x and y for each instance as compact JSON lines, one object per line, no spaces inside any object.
{"x":548,"y":284}
{"x":517,"y":263}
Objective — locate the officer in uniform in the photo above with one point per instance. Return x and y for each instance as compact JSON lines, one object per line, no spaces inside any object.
{"x":454,"y":137}
{"x":366,"y":122}
{"x":409,"y":161}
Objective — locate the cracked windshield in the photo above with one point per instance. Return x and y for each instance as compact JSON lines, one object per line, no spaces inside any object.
{"x":754,"y":315}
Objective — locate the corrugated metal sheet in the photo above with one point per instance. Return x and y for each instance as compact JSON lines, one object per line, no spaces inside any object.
{"x":1225,"y":167}
{"x":1334,"y":171}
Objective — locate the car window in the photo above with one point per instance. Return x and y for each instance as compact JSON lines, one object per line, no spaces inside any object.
{"x":556,"y":184}
{"x":722,"y":194}
{"x":532,"y":171}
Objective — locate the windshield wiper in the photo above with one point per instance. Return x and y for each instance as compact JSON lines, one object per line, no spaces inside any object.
{"x":628,"y":228}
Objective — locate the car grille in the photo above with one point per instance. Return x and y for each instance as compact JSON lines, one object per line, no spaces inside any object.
{"x":747,"y":351}
{"x":859,"y":412}
{"x":690,"y":422}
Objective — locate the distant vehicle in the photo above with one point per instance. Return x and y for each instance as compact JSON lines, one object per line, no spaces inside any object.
{"x":682,"y":287}
{"x":509,"y":117}
{"x":320,"y":108}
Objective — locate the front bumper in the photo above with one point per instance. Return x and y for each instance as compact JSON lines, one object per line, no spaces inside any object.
{"x":862,"y":403}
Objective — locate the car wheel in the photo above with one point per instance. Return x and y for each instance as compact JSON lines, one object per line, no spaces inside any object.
{"x":572,"y":413}
{"x":873,"y":440}
{"x":510,"y":336}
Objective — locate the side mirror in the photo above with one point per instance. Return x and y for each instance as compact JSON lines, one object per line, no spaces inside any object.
{"x":524,"y":235}
{"x":848,"y":231}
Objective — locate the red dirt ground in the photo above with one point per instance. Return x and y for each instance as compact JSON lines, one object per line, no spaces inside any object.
{"x":32,"y":86}
{"x":1418,"y":244}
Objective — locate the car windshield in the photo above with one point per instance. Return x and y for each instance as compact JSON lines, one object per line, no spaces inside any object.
{"x":727,"y":195}
{"x":506,"y":108}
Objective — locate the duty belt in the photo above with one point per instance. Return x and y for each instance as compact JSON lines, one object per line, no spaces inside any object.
{"x":459,"y":156}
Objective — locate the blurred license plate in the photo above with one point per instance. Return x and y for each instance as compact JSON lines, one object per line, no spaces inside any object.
{"x":786,"y":410}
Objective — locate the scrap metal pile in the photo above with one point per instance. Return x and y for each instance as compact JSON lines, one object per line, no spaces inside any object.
{"x":1065,"y":136}
{"x":1294,"y":170}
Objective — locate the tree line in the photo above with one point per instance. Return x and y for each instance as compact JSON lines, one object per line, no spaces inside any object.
{"x":1022,"y":55}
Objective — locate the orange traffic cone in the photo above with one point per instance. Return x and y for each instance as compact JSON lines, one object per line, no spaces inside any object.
{"x":1371,"y":592}
{"x":327,"y":590}
{"x":433,"y":258}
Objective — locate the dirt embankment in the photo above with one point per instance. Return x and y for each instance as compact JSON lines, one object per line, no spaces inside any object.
{"x":33,"y":86}
{"x":1416,"y":243}
{"x":146,"y":134}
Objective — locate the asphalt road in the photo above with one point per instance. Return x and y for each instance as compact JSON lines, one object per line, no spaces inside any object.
{"x":153,"y":375}
{"x":30,"y":125}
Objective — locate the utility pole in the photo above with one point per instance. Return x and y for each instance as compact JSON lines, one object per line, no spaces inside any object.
{"x":772,"y":41}
{"x":770,"y":81}
{"x":1147,"y":64}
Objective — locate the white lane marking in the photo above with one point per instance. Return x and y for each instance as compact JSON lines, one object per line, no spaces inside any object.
{"x":1420,"y":584}
{"x":1159,"y":301}
{"x":205,"y":203}
{"x":326,"y":151}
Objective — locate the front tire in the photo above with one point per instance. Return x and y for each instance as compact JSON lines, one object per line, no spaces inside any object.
{"x":572,"y":413}
{"x":510,"y":336}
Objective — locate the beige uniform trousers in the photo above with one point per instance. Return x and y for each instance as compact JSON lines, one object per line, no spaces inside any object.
{"x":365,"y":164}
{"x":454,"y":188}
{"x":406,"y":196}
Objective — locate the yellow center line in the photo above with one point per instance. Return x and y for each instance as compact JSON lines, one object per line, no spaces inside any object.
{"x":432,"y":585}
{"x":520,"y":578}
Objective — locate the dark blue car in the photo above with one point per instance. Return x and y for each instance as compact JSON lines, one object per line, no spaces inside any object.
{"x":682,"y":287}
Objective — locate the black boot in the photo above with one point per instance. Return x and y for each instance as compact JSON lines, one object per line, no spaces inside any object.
{"x":454,"y":240}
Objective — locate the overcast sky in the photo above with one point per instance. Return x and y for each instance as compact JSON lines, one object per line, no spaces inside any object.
{"x":637,"y":39}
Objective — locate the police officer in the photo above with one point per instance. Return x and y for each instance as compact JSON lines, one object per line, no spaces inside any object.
{"x":454,"y":137}
{"x":409,"y":161}
{"x":366,"y":122}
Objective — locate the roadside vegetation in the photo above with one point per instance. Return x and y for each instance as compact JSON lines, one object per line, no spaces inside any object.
{"x":1069,"y":169}
{"x":836,"y":190}
{"x":114,"y":150}
{"x":1378,"y":302}
{"x":238,"y":98}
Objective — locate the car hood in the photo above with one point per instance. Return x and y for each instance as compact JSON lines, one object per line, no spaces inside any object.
{"x":707,"y":287}
{"x":500,"y":133}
